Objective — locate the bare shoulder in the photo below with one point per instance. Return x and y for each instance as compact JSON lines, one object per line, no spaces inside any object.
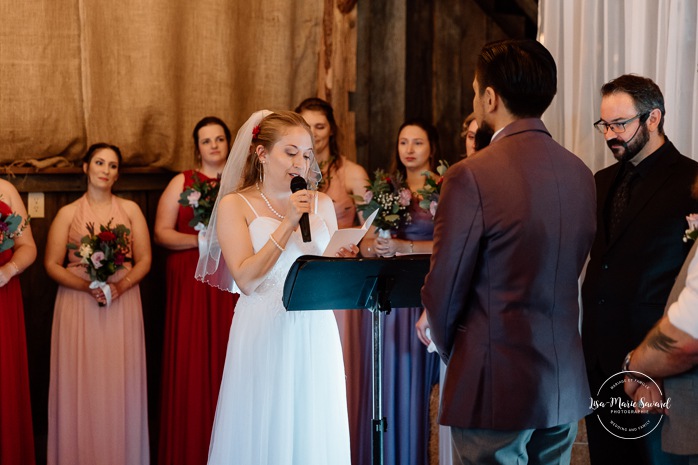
{"x":6,"y":186}
{"x":236,"y":202}
{"x":353,"y":169}
{"x":325,"y":204}
{"x":129,"y":206}
{"x":229,"y":200}
{"x":177,"y":182}
{"x":8,"y":192}
{"x":323,"y":199}
{"x":66,"y":213}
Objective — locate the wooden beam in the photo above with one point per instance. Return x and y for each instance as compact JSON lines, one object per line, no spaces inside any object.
{"x":419,"y":47}
{"x":529,"y":8}
{"x":514,"y":26}
{"x":379,"y":101}
{"x":337,"y":68}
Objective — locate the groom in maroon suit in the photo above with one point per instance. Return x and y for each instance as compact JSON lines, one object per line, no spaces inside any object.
{"x":512,"y":232}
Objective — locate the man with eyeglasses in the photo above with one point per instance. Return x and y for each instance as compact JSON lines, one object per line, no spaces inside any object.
{"x":642,"y":204}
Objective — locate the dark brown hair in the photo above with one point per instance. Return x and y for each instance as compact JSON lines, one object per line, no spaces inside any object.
{"x":335,"y":162}
{"x":94,"y":148}
{"x":645,"y":93}
{"x":208,"y":121}
{"x":432,"y":136}
{"x":522,"y":72}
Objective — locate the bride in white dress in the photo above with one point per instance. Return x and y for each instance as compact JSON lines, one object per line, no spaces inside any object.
{"x":282,"y":400}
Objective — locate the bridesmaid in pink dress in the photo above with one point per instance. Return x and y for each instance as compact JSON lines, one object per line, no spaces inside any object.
{"x":342,"y":178}
{"x":97,"y":392}
{"x":198,"y":316}
{"x":16,"y":435}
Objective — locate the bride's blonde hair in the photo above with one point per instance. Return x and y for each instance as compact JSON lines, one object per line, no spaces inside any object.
{"x":266,"y":134}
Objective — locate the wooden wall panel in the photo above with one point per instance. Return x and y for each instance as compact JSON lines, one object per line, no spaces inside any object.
{"x":417,"y":58}
{"x":379,"y":103}
{"x":461,"y":29}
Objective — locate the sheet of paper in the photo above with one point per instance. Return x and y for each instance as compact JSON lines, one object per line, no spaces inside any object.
{"x":344,"y":237}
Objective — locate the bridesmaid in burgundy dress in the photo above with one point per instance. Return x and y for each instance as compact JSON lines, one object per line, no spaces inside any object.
{"x":198,"y":318}
{"x":16,"y":435}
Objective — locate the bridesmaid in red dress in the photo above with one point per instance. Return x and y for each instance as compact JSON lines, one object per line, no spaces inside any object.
{"x":16,"y":434}
{"x":198,"y":316}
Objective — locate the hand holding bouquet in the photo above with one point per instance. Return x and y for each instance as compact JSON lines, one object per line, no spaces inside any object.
{"x":11,"y":226}
{"x":103,"y":254}
{"x":201,"y":197}
{"x":390,"y":196}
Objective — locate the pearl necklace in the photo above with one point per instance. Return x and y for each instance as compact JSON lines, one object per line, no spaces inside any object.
{"x":266,"y":200}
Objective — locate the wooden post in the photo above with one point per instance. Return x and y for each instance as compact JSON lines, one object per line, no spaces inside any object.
{"x":337,"y":68}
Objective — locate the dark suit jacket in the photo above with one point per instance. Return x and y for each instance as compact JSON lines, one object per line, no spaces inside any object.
{"x":629,"y":276}
{"x":512,"y":232}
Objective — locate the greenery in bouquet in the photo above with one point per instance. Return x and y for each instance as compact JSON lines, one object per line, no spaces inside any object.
{"x":390,"y":196}
{"x":103,"y":253}
{"x":11,"y":227}
{"x":431,"y":191}
{"x":692,"y":232}
{"x":200,"y":196}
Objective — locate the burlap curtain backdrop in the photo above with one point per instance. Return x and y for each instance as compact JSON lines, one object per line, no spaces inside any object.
{"x":141,"y":74}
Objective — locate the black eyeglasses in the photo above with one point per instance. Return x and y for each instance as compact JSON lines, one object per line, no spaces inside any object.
{"x":619,"y":126}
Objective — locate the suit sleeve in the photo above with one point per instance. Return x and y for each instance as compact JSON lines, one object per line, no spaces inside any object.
{"x":458,"y":230}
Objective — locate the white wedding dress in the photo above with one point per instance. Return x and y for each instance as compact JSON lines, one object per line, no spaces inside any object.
{"x":283,"y":397}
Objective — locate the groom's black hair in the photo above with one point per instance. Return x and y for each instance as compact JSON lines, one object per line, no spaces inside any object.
{"x":522,"y":72}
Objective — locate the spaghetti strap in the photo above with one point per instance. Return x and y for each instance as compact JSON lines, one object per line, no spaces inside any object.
{"x":256,"y":215}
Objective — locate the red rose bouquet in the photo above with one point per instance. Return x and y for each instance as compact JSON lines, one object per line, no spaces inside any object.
{"x":201,"y":197}
{"x":103,"y":253}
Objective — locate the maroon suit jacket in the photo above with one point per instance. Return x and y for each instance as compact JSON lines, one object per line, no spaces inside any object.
{"x":513,"y":229}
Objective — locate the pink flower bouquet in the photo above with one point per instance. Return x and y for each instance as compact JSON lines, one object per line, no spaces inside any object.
{"x":390,"y":196}
{"x":201,"y":197}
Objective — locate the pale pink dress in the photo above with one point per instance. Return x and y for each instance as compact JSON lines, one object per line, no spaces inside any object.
{"x":97,"y":395}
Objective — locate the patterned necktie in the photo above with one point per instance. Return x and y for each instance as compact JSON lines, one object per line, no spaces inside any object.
{"x":621,"y":197}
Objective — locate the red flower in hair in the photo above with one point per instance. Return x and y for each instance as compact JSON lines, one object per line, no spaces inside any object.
{"x":255,"y":131}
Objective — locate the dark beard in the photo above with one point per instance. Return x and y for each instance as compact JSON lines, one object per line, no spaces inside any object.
{"x":483,"y":136}
{"x":629,"y":149}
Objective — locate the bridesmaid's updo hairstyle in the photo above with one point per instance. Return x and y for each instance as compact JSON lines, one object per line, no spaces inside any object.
{"x":207,"y":121}
{"x":269,"y":131}
{"x":94,"y":148}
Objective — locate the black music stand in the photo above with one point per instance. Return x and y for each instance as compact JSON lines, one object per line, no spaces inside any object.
{"x":376,"y":284}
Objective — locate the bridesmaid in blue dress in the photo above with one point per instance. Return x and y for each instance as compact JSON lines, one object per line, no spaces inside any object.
{"x":409,"y":371}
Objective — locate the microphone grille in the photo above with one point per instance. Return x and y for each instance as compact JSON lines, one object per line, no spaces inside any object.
{"x":298,"y":184}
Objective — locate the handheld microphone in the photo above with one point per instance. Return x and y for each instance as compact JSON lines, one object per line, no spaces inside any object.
{"x":298,"y":184}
